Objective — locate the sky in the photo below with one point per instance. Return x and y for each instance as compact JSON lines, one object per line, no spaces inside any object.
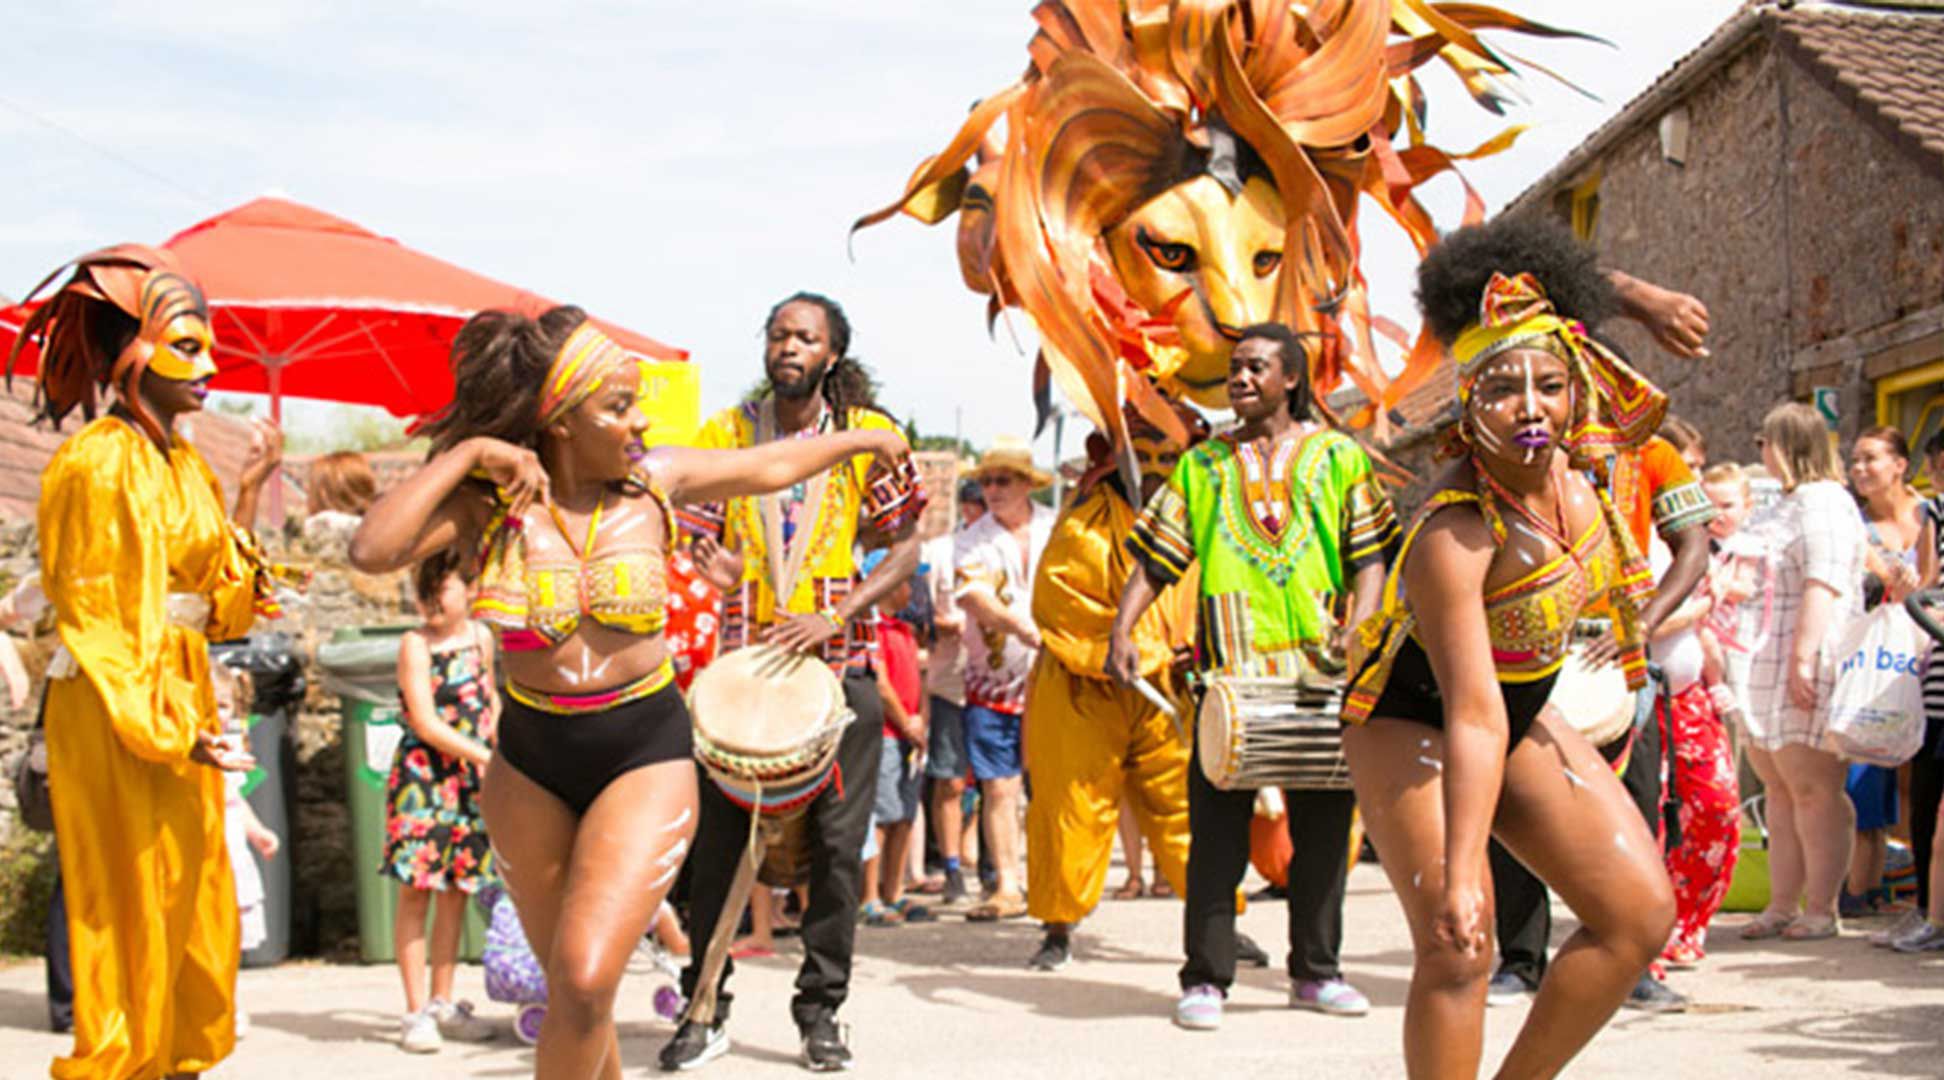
{"x":674,"y":167}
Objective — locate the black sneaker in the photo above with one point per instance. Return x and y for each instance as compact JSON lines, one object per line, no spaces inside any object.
{"x":693,"y":1047}
{"x":1248,"y":952}
{"x":823,"y":1046}
{"x":1654,"y":996}
{"x":954,"y":887}
{"x":1054,"y":952}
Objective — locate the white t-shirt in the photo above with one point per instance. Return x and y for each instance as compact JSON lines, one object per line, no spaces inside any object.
{"x":1679,"y":653}
{"x":945,"y":666}
{"x":986,"y":558}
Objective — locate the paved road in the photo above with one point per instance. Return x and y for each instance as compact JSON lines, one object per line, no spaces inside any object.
{"x":955,"y":999}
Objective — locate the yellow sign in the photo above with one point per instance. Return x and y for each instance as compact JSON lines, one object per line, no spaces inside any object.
{"x":671,"y":395}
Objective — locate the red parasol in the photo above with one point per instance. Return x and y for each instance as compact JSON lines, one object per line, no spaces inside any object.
{"x":310,"y":305}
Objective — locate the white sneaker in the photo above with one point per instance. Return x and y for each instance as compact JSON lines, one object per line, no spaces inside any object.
{"x":1925,"y":938}
{"x":1887,"y":938}
{"x":456,"y":1021}
{"x":242,"y":1023}
{"x":1200,"y":1008}
{"x":419,"y":1033}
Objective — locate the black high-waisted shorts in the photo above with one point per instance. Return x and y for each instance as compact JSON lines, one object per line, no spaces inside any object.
{"x":576,"y":756}
{"x":1412,"y":694}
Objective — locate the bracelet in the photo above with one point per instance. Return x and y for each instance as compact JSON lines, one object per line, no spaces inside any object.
{"x":836,"y":620}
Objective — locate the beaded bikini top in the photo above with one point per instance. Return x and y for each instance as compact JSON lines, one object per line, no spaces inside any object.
{"x":540,"y":602}
{"x":1530,"y":620}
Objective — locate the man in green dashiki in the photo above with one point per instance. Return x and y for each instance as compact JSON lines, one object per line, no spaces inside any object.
{"x":1292,"y":531}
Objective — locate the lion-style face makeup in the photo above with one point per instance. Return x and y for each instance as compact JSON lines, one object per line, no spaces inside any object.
{"x":175,"y":340}
{"x":1224,"y":251}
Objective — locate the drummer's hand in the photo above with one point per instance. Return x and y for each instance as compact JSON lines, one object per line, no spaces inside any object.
{"x":1459,"y":921}
{"x":1182,"y":662}
{"x":220,"y":752}
{"x":1123,"y":659}
{"x":801,"y":633}
{"x":1602,"y":651}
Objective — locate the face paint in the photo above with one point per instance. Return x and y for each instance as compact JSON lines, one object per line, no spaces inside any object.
{"x":680,"y":821}
{"x":1573,"y":777}
{"x":175,"y":340}
{"x":675,"y":853}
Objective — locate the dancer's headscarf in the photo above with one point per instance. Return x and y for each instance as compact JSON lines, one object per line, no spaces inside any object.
{"x":1615,"y":411}
{"x":583,"y":364}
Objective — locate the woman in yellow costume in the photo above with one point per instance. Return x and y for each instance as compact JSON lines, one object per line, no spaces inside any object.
{"x":1451,"y":740}
{"x":143,"y":567}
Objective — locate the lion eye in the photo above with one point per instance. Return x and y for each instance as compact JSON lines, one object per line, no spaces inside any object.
{"x":1178,"y":258}
{"x":1267,"y":262}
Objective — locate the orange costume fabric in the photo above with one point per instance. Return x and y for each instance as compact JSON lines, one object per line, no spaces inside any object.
{"x":141,"y":562}
{"x":1087,"y":740}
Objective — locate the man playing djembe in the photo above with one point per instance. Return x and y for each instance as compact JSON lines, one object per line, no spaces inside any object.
{"x":1286,"y":519}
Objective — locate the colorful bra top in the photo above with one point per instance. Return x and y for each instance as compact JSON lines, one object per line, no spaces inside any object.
{"x":1530,"y":620}
{"x":540,"y":603}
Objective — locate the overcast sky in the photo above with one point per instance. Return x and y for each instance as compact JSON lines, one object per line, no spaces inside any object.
{"x":674,"y":167}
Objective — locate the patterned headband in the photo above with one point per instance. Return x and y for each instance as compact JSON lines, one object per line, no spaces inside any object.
{"x":1615,"y":409}
{"x":584,"y":362}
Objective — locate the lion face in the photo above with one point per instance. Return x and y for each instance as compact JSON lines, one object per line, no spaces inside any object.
{"x":1225,"y":251}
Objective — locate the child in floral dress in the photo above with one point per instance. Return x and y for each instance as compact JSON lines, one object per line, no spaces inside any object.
{"x":435,"y":841}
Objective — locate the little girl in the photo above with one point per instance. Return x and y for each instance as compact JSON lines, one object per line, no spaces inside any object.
{"x":242,"y":829}
{"x":435,"y":843}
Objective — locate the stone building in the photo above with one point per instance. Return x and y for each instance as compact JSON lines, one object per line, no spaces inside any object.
{"x":1789,"y":172}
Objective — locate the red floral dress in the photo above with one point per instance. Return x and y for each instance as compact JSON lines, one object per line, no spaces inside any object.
{"x":434,"y":836}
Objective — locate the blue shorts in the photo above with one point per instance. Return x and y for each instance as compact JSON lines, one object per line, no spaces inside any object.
{"x":897,"y":787}
{"x":1873,"y":790}
{"x":945,"y":756}
{"x":992,"y":743}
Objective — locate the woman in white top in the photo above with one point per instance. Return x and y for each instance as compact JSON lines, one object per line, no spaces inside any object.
{"x":1817,"y":541}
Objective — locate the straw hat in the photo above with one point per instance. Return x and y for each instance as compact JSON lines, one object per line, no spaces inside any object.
{"x":1010,"y":453}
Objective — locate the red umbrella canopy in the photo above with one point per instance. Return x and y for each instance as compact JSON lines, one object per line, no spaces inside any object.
{"x":313,"y":306}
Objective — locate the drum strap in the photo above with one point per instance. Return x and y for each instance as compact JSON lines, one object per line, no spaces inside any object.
{"x":702,"y":1009}
{"x":782,"y":570}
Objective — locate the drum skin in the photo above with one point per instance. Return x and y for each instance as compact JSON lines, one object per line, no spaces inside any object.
{"x":1595,"y":701}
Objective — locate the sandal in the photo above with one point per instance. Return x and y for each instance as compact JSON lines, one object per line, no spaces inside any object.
{"x":1162,"y":890}
{"x":875,"y":914}
{"x":1000,"y":906}
{"x":1812,"y":928}
{"x":1682,"y":957}
{"x":913,"y":913}
{"x":1132,"y":889}
{"x":1767,"y":925}
{"x":752,"y":951}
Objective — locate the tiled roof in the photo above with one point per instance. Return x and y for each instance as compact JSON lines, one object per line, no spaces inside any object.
{"x":1886,"y":59}
{"x":25,"y":450}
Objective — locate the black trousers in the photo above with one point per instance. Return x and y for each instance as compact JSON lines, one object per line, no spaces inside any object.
{"x":1218,"y":856}
{"x":838,"y":819}
{"x":1926,"y":787}
{"x":1524,"y":916}
{"x":60,"y":962}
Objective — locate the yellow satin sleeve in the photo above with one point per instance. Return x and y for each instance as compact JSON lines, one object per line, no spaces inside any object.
{"x":1077,"y":590}
{"x":121,"y":527}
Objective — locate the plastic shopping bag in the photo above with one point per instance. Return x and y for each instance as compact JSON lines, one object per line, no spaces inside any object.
{"x":1876,"y":711}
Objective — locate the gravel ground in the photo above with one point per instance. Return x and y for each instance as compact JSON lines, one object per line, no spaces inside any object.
{"x":955,"y":999}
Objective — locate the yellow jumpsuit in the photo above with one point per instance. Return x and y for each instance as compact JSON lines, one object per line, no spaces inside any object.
{"x":1087,"y":739}
{"x":125,"y":534}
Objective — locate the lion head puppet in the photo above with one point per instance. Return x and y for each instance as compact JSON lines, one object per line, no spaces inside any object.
{"x":1172,"y":172}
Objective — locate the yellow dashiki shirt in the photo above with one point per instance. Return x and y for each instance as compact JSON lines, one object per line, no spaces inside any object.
{"x":1279,"y":532}
{"x":800,"y":543}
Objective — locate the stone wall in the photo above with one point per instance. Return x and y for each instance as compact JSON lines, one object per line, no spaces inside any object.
{"x":325,"y":915}
{"x":1794,"y":219}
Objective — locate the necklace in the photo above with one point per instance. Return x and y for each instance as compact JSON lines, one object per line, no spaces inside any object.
{"x":1556,"y":532}
{"x":593,"y":527}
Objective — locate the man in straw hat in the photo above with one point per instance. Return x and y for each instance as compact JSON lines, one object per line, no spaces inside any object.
{"x":993,"y":565}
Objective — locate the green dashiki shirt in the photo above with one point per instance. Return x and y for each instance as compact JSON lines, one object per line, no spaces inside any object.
{"x":1279,"y":532}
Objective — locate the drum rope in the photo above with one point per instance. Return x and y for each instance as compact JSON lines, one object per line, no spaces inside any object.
{"x":702,"y":1008}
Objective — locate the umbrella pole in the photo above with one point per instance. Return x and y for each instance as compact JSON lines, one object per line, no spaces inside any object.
{"x":274,"y":365}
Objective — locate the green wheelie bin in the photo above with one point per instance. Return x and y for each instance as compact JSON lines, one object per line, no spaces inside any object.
{"x":361,"y":667}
